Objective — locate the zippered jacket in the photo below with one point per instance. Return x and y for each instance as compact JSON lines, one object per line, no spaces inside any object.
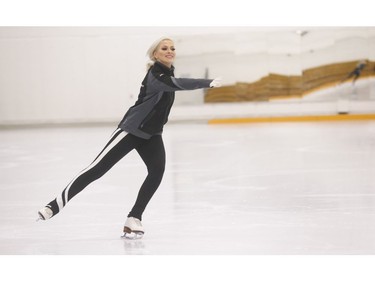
{"x":149,"y":114}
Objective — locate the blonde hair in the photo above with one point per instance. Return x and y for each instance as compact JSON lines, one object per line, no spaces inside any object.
{"x":150,"y":52}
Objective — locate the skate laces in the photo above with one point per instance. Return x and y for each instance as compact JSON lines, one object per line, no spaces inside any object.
{"x":137,"y":222}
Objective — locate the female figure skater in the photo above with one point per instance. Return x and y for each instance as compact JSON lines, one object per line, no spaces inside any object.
{"x":140,"y":129}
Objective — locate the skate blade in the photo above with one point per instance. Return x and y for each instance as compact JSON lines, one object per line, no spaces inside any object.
{"x":40,"y":217}
{"x":132,"y":235}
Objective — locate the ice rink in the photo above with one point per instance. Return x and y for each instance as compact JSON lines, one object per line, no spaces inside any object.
{"x":271,"y":188}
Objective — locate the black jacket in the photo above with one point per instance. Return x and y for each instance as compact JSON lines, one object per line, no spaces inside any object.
{"x":150,"y":112}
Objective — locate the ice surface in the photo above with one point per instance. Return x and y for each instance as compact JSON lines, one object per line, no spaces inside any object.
{"x":283,"y":188}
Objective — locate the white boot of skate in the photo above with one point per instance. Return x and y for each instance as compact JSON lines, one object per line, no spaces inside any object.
{"x":133,"y":229}
{"x":45,"y":213}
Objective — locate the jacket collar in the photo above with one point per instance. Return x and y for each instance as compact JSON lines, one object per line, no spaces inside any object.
{"x":164,"y":67}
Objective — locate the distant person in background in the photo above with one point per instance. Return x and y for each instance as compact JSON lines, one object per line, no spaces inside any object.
{"x":356,"y":72}
{"x":141,"y":129}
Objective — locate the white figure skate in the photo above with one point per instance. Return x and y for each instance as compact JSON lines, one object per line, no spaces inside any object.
{"x":45,"y":213}
{"x":133,"y":229}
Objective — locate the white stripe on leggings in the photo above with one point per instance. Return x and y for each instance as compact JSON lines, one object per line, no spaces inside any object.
{"x":93,"y":164}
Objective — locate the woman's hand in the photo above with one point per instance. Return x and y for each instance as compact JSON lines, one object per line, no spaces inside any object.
{"x":216,"y":82}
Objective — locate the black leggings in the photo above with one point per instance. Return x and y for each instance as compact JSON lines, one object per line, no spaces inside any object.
{"x":121,"y":143}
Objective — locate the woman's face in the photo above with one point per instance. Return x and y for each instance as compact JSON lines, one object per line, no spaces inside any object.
{"x":165,"y":52}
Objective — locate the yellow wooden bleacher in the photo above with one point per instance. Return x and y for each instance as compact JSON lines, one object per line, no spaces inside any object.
{"x":278,"y":86}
